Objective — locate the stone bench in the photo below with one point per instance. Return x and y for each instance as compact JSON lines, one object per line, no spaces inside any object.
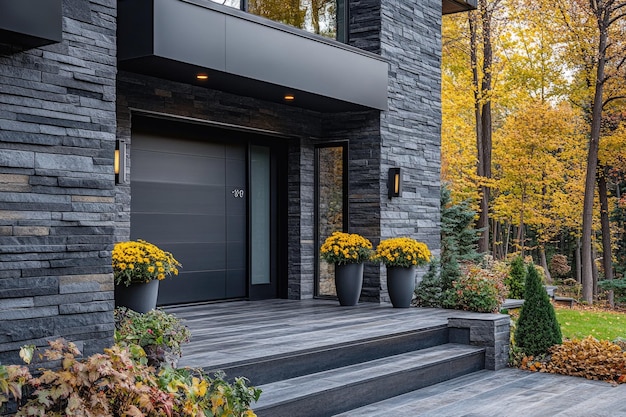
{"x":511,"y":304}
{"x":568,"y":301}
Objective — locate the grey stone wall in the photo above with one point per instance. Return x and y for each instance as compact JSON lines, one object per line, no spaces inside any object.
{"x":57,"y":136}
{"x":411,"y":128}
{"x":407,"y":33}
{"x":362,"y":130}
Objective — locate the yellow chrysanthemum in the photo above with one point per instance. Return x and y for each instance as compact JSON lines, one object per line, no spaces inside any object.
{"x":345,"y":248}
{"x":140,"y":261}
{"x":402,"y":251}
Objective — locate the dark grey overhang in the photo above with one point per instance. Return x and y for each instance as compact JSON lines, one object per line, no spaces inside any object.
{"x":30,"y":23}
{"x":246,"y":55}
{"x":455,"y":6}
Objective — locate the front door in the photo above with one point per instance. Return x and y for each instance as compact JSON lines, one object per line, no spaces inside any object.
{"x":190,"y":195}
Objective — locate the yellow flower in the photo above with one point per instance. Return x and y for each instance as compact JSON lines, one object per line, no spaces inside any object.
{"x":402,"y":251}
{"x":137,"y":261}
{"x":345,"y":248}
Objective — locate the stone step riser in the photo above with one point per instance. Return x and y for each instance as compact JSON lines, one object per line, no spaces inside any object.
{"x":307,"y":362}
{"x":359,"y":393}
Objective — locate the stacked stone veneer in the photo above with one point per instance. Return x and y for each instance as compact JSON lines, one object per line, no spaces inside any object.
{"x":491,"y":331}
{"x":407,"y":33}
{"x":57,"y":205}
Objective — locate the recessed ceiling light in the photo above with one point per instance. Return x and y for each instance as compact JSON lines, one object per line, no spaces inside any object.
{"x":202,"y":77}
{"x":289,"y":97}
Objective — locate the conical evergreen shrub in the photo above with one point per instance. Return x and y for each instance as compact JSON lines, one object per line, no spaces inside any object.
{"x":537,"y":327}
{"x":516,"y":278}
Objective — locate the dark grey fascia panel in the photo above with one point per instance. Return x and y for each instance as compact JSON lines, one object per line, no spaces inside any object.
{"x":31,"y":23}
{"x":248,"y":56}
{"x":270,"y":55}
{"x":188,"y":33}
{"x":456,"y":6}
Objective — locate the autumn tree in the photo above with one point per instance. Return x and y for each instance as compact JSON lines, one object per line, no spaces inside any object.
{"x":596,"y":44}
{"x":290,"y":12}
{"x":458,"y":137}
{"x":481,"y":28}
{"x":537,"y":155}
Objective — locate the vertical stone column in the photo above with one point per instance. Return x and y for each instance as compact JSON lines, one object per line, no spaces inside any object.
{"x":57,"y":141}
{"x":407,"y":33}
{"x":491,"y":331}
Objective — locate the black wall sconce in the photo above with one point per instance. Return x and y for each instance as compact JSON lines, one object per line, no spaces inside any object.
{"x":394,"y":183}
{"x":119,"y":163}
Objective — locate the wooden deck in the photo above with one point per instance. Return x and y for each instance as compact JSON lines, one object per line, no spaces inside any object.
{"x":239,"y":332}
{"x":233,"y":332}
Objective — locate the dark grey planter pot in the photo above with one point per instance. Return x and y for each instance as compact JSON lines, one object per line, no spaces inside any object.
{"x":401,"y":285}
{"x":139,"y":297}
{"x":348,"y":281}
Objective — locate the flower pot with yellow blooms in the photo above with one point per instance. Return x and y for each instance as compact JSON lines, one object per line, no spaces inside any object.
{"x":138,"y":266}
{"x":401,"y":256}
{"x":348,"y":251}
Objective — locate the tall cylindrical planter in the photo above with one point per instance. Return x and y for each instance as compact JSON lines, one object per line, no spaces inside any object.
{"x":348,"y":282}
{"x":139,"y":297}
{"x":401,"y":285}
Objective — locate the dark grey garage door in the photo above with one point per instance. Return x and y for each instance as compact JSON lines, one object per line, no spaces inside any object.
{"x":189,"y":198}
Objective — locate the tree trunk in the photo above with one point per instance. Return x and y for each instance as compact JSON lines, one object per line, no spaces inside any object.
{"x":544,"y":263}
{"x":520,"y":235}
{"x":496,"y":237}
{"x":594,"y":271}
{"x":482,"y":113}
{"x":592,"y":155}
{"x":507,"y":239}
{"x":607,"y":252}
{"x":578,"y":257}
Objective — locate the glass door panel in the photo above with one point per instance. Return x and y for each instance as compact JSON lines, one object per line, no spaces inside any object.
{"x":260,"y":215}
{"x":330,"y":208}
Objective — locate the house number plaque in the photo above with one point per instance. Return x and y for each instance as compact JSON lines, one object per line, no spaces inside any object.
{"x":237,"y":193}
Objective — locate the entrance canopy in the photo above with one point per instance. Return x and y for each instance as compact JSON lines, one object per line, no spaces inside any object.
{"x":247,"y":55}
{"x":455,"y":6}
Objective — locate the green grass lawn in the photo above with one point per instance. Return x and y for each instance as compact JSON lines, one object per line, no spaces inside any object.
{"x":578,"y":324}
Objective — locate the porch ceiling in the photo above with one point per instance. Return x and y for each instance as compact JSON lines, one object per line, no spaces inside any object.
{"x":455,"y":6}
{"x":246,"y":55}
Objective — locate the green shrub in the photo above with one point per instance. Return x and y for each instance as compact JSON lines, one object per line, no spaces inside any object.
{"x":537,"y":328}
{"x":160,"y":334}
{"x":459,"y":243}
{"x":618,"y":286}
{"x":478,"y":289}
{"x":429,"y":292}
{"x":516,"y":278}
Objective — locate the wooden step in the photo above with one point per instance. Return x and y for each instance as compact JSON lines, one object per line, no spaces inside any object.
{"x":338,"y":390}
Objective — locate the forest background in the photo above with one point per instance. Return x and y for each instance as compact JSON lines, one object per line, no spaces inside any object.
{"x":534,"y":131}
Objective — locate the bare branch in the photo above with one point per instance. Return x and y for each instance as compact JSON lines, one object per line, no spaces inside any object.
{"x":610,"y":99}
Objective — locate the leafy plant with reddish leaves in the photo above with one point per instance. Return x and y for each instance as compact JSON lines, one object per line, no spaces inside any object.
{"x":106,"y":384}
{"x":119,"y":383}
